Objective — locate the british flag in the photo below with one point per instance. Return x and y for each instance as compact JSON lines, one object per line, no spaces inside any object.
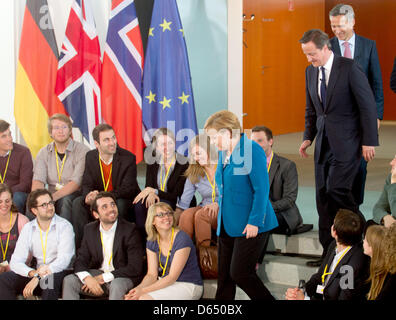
{"x":122,"y":77}
{"x":79,"y":70}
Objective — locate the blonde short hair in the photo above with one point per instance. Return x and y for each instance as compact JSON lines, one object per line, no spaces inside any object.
{"x":61,"y":117}
{"x":224,"y":119}
{"x":151,"y":230}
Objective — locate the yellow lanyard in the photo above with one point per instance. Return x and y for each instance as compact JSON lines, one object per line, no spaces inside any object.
{"x":269,"y":165}
{"x":104,"y":251}
{"x":8,"y":239}
{"x":57,"y":164}
{"x":2,"y":178}
{"x":167,"y":258}
{"x":105,"y":184}
{"x":329,"y":273}
{"x":162,"y":185}
{"x":212,"y":185}
{"x":42,"y":245}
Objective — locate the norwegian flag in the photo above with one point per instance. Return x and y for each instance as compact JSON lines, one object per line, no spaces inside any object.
{"x":122,"y":77}
{"x":79,"y":70}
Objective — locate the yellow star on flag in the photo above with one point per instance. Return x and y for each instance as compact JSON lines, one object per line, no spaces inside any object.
{"x":182,"y":31}
{"x":151,"y":32}
{"x":166,"y":25}
{"x":151,"y":97}
{"x":165,"y":103}
{"x":184,"y":98}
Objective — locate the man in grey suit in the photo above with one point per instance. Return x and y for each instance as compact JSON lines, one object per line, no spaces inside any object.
{"x":283,"y":181}
{"x":364,"y":51}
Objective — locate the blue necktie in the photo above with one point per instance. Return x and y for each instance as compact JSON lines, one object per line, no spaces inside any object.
{"x":323,"y":87}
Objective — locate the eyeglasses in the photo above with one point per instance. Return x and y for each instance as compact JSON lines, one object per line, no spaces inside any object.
{"x":46,"y":204}
{"x":56,"y":128}
{"x":164,"y":214}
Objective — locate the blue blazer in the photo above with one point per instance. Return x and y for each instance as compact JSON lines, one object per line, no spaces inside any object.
{"x":366,"y":56}
{"x":244,"y":190}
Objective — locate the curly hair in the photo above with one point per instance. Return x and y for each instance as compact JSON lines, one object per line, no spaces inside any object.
{"x":390,"y":248}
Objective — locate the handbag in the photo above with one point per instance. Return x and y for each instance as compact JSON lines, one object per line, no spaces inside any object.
{"x":208,"y":260}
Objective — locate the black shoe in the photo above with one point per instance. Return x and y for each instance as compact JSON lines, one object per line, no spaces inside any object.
{"x":315,"y":263}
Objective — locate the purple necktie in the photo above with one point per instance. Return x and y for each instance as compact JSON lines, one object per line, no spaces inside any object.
{"x":347,"y":51}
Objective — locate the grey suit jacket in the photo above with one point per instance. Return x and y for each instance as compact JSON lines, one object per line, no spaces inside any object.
{"x":283,"y":181}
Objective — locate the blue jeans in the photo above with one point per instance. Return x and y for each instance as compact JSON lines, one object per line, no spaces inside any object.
{"x":19,"y":199}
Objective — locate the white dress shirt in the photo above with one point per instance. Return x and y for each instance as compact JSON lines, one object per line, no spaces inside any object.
{"x":108,"y":242}
{"x":327,"y":68}
{"x":60,"y":246}
{"x":351,"y":42}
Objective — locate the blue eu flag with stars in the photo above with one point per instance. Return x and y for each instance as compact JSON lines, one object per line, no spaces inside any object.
{"x":167,"y":92}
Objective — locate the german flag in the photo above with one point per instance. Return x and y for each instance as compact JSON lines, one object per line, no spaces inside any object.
{"x":35,"y":98}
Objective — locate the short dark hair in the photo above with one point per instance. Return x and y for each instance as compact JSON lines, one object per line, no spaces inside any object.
{"x":100,"y":195}
{"x":266,"y":130}
{"x":318,"y":37}
{"x":4,"y":125}
{"x":6,"y":188}
{"x":100,"y":128}
{"x":31,"y":201}
{"x":349,"y":227}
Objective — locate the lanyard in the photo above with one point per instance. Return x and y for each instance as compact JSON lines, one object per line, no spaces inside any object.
{"x":8,"y":239}
{"x":2,"y":178}
{"x":212,"y":185}
{"x":329,"y":273}
{"x":167,"y":258}
{"x":105,"y":184}
{"x":269,"y":165}
{"x":162,"y":185}
{"x":104,"y":251}
{"x":57,"y":164}
{"x":42,"y":245}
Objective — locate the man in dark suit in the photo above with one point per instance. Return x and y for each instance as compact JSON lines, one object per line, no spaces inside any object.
{"x":107,"y":168}
{"x":344,"y":272}
{"x":393,"y":77}
{"x":364,"y":51}
{"x":341,"y":114}
{"x":283,"y":181}
{"x":110,"y":260}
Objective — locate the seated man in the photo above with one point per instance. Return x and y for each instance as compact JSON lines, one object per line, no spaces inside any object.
{"x":283,"y":181}
{"x":50,"y":240}
{"x":113,"y":265}
{"x":384,"y":211}
{"x":345,"y":269}
{"x":107,"y":168}
{"x":16,"y":167}
{"x":60,"y":165}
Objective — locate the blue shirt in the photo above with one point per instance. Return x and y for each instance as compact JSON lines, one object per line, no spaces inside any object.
{"x":351,"y":45}
{"x":204,"y":188}
{"x":191,"y":272}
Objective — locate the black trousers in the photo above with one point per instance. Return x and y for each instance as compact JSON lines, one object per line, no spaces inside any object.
{"x":334,"y":180}
{"x":360,"y":182}
{"x":237,"y":258}
{"x":50,"y":288}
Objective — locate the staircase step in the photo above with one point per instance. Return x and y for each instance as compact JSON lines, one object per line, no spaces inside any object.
{"x":306,"y":243}
{"x":210,"y":287}
{"x":285,"y":270}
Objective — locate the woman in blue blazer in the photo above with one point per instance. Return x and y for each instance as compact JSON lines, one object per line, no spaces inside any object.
{"x":245,"y":210}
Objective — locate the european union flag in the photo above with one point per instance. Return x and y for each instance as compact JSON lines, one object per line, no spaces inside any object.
{"x":167,"y":92}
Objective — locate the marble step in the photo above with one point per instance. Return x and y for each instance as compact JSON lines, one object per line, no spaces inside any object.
{"x":306,"y":243}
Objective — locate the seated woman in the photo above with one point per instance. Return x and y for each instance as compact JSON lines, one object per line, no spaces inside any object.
{"x":380,"y":244}
{"x":200,"y":177}
{"x":164,"y":176}
{"x":11,"y":223}
{"x":172,"y":266}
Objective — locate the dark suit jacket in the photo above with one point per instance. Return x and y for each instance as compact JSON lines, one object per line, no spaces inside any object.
{"x":175,"y":182}
{"x":349,"y":116}
{"x":283,"y":181}
{"x":388,"y":291}
{"x":354,"y":258}
{"x":366,"y":56}
{"x":123,"y":176}
{"x":127,"y":251}
{"x":393,"y":77}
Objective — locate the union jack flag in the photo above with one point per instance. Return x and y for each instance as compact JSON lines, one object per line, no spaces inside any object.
{"x":79,"y":69}
{"x":122,"y":77}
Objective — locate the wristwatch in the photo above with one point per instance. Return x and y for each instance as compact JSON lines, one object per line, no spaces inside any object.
{"x":36,"y":275}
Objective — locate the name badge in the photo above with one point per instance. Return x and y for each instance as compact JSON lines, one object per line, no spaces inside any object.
{"x":4,"y":263}
{"x":319,"y":289}
{"x":58,"y":186}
